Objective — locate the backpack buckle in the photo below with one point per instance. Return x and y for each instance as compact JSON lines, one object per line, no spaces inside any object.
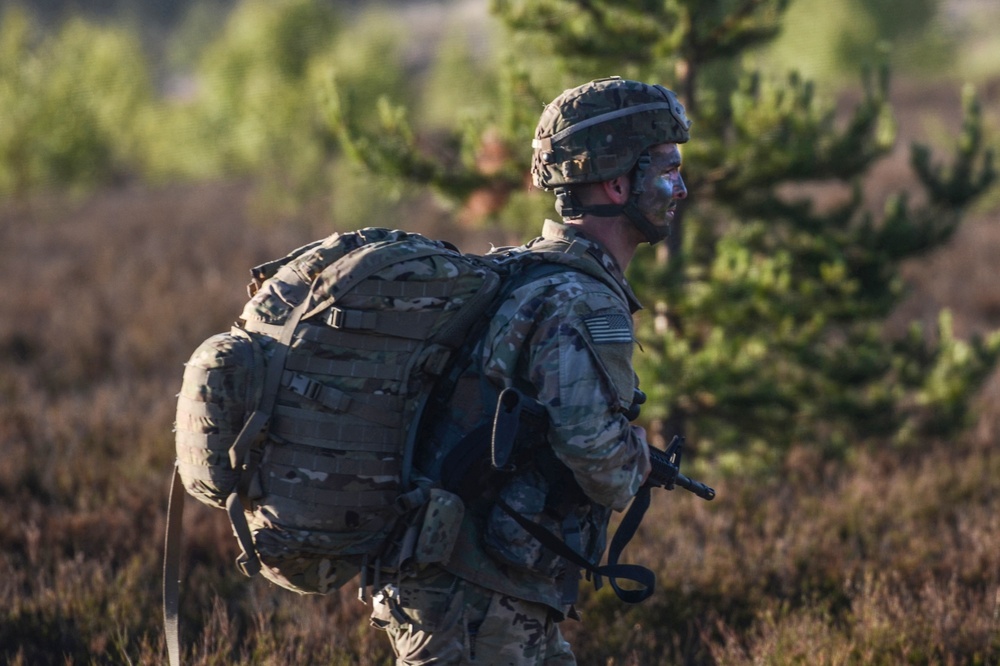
{"x":351,"y":319}
{"x":335,"y":318}
{"x":302,"y":385}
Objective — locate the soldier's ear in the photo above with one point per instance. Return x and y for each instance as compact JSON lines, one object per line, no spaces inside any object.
{"x":617,"y":189}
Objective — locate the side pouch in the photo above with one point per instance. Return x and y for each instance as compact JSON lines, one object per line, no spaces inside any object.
{"x":439,"y":529}
{"x":222,"y":386}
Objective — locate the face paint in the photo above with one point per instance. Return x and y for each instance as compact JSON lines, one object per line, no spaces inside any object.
{"x":661,"y":186}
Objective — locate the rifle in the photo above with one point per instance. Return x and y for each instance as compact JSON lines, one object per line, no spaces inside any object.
{"x":667,"y":464}
{"x":516,"y":411}
{"x":667,"y":471}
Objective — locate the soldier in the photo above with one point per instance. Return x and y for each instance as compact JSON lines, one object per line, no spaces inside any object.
{"x":609,"y":151}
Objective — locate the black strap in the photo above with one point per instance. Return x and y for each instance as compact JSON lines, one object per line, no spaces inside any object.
{"x":613,"y":571}
{"x":172,"y":568}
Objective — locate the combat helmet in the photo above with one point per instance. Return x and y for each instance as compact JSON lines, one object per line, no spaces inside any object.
{"x":599,"y":131}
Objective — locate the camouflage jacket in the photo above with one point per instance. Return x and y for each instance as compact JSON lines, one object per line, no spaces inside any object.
{"x":567,"y":339}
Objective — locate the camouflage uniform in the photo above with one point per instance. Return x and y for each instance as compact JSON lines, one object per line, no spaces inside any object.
{"x":564,"y":339}
{"x":567,"y":338}
{"x":438,"y":618}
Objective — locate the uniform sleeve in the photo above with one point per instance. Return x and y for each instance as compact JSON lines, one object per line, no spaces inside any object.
{"x":577,"y":342}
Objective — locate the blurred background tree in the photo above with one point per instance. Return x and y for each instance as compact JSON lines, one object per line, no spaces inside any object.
{"x":66,"y":103}
{"x":766,"y":325}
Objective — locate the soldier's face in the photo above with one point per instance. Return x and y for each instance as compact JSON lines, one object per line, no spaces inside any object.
{"x":662,"y":185}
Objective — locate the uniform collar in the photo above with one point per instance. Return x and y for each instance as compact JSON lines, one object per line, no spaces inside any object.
{"x":568,"y":233}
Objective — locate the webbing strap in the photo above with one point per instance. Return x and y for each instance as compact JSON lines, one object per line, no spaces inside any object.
{"x":364,"y":262}
{"x":414,"y":324}
{"x":356,"y":499}
{"x":325,"y":366}
{"x":253,"y":427}
{"x":312,"y":428}
{"x":293,"y":458}
{"x":191,"y":439}
{"x":612,"y":570}
{"x":471,"y":312}
{"x":342,"y":338}
{"x":172,"y":569}
{"x":247,"y":562}
{"x":338,"y":337}
{"x":212,"y":441}
{"x":211,"y":377}
{"x":239,"y":454}
{"x":405,"y":288}
{"x":196,"y":409}
{"x":197,"y":470}
{"x":384,"y":409}
{"x":626,"y":530}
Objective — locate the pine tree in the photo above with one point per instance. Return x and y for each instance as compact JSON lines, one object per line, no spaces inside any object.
{"x":765,"y":327}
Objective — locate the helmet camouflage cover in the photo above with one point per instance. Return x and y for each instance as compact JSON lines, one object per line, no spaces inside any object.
{"x":598,"y":131}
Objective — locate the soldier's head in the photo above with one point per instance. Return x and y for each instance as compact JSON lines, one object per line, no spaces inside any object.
{"x":605,"y":130}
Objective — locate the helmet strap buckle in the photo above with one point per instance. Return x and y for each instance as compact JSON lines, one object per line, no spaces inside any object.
{"x":567,"y":205}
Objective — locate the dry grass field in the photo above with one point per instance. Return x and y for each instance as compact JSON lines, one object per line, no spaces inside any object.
{"x":892,"y":557}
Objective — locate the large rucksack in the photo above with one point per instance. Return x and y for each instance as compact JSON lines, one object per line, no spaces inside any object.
{"x":301,"y":420}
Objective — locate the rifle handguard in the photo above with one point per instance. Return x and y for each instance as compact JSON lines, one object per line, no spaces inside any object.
{"x":666,"y":471}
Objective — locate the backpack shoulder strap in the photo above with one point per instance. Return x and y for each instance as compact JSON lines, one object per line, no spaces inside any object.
{"x":579,"y":256}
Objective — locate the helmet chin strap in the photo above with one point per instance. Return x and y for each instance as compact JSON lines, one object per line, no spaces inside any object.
{"x":652,"y":233}
{"x":568,"y":206}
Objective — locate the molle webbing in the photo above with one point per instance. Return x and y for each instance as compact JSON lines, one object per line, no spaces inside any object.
{"x":315,"y":333}
{"x":335,"y":368}
{"x":197,"y":412}
{"x":343,"y":499}
{"x":205,"y":443}
{"x":386,"y":410}
{"x":412,"y":325}
{"x":325,"y":431}
{"x":399,"y":289}
{"x":338,"y":464}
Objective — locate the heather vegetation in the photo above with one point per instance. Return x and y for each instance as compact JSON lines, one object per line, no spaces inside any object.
{"x":130,"y":211}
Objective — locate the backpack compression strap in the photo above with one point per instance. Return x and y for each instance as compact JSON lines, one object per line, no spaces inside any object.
{"x":243,"y":453}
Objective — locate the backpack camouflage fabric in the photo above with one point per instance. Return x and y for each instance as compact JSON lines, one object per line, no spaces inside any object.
{"x":300,"y":421}
{"x":297,"y":421}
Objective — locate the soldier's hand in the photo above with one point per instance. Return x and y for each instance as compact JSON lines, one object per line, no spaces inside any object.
{"x":638,"y":398}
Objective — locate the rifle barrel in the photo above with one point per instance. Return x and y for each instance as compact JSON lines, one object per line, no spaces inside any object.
{"x":696,"y":487}
{"x":666,"y":474}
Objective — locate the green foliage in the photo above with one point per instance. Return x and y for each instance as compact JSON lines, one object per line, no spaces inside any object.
{"x":67,"y":101}
{"x":972,"y":171}
{"x":778,"y":337}
{"x":258,"y":109}
{"x":830,"y":41}
{"x":79,"y":110}
{"x":252,"y":110}
{"x":766,"y":325}
{"x":474,"y":156}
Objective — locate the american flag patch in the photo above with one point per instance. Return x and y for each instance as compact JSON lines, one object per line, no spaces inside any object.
{"x":607,"y":328}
